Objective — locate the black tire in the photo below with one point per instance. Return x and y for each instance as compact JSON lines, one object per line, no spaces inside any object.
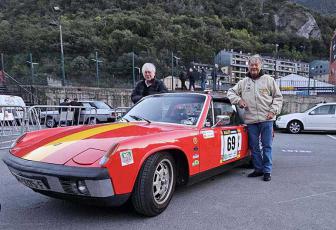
{"x":50,"y":122}
{"x":294,"y":127}
{"x":146,"y":197}
{"x":92,"y":121}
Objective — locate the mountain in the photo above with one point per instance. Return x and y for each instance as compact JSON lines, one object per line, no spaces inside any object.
{"x":193,"y":30}
{"x":322,"y":6}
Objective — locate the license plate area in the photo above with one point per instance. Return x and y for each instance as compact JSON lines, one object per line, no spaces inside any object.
{"x":39,"y":183}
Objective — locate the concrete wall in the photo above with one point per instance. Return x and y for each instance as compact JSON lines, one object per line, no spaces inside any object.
{"x":113,"y":97}
{"x":296,"y":104}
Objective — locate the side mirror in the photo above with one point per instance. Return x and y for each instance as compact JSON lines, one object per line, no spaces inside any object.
{"x":222,"y":120}
{"x":312,"y":113}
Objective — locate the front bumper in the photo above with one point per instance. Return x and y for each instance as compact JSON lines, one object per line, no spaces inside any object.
{"x":92,"y":185}
{"x":280,"y":125}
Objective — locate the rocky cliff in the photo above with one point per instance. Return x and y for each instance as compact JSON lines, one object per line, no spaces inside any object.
{"x":297,"y":20}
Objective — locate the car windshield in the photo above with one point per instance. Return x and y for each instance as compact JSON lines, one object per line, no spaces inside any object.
{"x":100,"y":105}
{"x":170,"y":108}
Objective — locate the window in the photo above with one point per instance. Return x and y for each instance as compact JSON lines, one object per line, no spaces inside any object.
{"x":324,"y":110}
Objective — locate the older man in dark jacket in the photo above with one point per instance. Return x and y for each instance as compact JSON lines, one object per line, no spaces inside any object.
{"x":149,"y":85}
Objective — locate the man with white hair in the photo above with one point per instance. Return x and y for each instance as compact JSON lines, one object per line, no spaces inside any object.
{"x":149,"y":85}
{"x":261,"y":98}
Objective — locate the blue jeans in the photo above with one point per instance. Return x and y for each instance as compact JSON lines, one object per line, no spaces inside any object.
{"x":261,"y":133}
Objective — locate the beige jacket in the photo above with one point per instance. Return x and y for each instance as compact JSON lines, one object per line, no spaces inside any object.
{"x":261,"y":96}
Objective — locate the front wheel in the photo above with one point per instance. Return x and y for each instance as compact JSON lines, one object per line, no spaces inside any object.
{"x":155,"y":185}
{"x":294,"y":127}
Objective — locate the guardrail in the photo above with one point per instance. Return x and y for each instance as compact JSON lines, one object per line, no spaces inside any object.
{"x":12,"y":124}
{"x":16,"y":120}
{"x":53,"y":116}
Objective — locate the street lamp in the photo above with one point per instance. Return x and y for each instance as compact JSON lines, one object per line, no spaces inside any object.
{"x":276,"y":61}
{"x":31,"y":67}
{"x":57,"y":9}
{"x":172,"y":63}
{"x":139,"y":70}
{"x":97,"y":67}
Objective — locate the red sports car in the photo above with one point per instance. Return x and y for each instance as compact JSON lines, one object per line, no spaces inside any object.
{"x":164,"y":140}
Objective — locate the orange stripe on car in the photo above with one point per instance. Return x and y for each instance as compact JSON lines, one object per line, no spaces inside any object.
{"x":50,"y":148}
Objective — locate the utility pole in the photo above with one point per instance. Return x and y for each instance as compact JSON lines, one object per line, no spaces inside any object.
{"x":133,"y":73}
{"x":172,"y":74}
{"x":276,"y":62}
{"x":31,"y":67}
{"x":2,"y":77}
{"x":97,"y":67}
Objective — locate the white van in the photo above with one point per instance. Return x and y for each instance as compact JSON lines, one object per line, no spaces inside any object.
{"x":8,"y":113}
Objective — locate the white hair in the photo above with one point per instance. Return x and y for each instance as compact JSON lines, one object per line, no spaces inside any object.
{"x":255,"y":59}
{"x":148,"y":67}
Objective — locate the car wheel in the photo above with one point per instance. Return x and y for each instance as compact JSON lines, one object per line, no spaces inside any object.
{"x":155,"y":185}
{"x":92,"y":121}
{"x":294,"y":127}
{"x":50,"y":123}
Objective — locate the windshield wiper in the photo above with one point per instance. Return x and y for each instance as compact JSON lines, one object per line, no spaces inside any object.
{"x":138,"y":118}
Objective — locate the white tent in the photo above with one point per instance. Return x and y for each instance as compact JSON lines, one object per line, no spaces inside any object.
{"x":299,"y":85}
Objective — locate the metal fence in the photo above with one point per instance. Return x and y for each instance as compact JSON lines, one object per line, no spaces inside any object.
{"x":17,"y":120}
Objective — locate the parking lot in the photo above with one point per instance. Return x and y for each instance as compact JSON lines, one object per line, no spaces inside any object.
{"x":301,"y":195}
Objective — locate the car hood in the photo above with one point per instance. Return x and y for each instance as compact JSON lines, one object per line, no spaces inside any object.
{"x":82,"y":144}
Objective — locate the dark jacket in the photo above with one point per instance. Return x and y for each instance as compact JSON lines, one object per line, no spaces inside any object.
{"x":141,"y":90}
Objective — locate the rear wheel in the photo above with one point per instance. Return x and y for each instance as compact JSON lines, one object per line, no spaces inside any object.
{"x":294,"y":127}
{"x":155,"y":185}
{"x":50,"y":123}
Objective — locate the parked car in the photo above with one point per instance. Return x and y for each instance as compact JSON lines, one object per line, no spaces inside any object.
{"x":90,"y":112}
{"x":321,"y":117}
{"x":163,"y":141}
{"x":11,"y":109}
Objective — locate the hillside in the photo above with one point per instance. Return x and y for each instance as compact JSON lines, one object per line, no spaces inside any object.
{"x":193,"y":29}
{"x":322,"y":6}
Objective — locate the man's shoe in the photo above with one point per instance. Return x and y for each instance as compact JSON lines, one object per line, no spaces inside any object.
{"x":267,"y":176}
{"x":255,"y":174}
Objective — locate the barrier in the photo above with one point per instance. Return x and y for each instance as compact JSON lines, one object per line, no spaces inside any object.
{"x":12,"y":124}
{"x":16,"y":120}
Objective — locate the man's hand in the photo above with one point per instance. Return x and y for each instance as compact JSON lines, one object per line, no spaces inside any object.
{"x":242,"y":104}
{"x":270,"y":115}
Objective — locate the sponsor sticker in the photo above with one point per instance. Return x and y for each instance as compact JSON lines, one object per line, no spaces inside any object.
{"x":195,"y":163}
{"x":126,"y":158}
{"x":208,"y":134}
{"x":225,"y":132}
{"x":195,"y":156}
{"x":195,"y":140}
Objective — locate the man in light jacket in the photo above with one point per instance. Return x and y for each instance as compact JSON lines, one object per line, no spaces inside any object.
{"x":261,"y":98}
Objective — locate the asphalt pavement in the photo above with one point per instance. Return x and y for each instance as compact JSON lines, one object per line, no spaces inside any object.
{"x":301,"y":195}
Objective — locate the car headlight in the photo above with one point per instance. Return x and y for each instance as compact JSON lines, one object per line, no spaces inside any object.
{"x":279,"y":118}
{"x":109,"y":153}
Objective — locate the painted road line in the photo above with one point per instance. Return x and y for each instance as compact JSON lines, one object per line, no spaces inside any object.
{"x":295,"y":151}
{"x":332,"y":137}
{"x":305,"y":197}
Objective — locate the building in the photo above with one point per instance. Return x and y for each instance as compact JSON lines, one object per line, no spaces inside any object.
{"x":332,"y":73}
{"x":237,"y":64}
{"x":319,"y":70}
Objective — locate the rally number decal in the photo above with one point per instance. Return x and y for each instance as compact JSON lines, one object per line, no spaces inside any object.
{"x":231,"y":145}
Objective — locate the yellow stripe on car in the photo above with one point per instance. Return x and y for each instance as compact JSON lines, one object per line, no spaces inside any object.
{"x":56,"y":145}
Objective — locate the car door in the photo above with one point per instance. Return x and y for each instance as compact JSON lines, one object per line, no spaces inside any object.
{"x":321,"y":118}
{"x":222,"y":144}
